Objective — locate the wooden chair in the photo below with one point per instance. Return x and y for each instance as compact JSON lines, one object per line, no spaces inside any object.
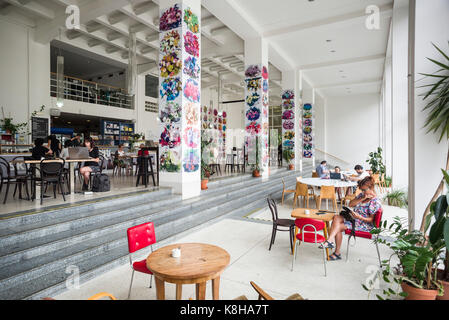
{"x":377,"y":182}
{"x":284,"y":191}
{"x":350,"y":197}
{"x":383,"y":182}
{"x":314,"y":174}
{"x":302,"y":190}
{"x":265,"y":296}
{"x":327,"y":193}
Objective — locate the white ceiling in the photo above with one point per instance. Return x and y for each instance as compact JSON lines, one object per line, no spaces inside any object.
{"x":297,"y":32}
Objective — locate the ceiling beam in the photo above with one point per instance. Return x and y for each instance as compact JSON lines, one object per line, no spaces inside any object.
{"x":94,"y":42}
{"x":219,"y":30}
{"x":116,"y":18}
{"x":113,"y":36}
{"x":72,"y":34}
{"x":145,"y":7}
{"x":386,"y":11}
{"x":329,"y":64}
{"x":34,"y":8}
{"x":145,"y":18}
{"x":110,"y":50}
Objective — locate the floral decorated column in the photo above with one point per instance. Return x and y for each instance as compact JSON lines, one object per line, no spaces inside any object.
{"x":179,"y":96}
{"x":257,"y":104}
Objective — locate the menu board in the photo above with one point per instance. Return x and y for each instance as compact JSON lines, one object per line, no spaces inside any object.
{"x":39,"y":128}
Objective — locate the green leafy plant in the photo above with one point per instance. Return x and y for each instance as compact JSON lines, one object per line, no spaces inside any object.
{"x":397,"y":198}
{"x":133,"y":139}
{"x":417,"y":260}
{"x":376,"y":162}
{"x":388,"y":181}
{"x":437,"y":106}
{"x":205,"y":169}
{"x":288,"y":155}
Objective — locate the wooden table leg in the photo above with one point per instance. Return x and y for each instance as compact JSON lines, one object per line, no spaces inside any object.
{"x":179,"y":292}
{"x":326,"y":227}
{"x":201,"y":291}
{"x":160,"y":289}
{"x":216,"y":288}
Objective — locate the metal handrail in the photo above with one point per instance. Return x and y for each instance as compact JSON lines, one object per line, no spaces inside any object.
{"x":337,"y":160}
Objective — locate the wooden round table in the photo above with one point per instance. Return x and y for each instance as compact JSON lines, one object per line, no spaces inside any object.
{"x":198,"y":264}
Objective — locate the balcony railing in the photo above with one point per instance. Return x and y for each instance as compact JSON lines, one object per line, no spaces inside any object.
{"x":91,"y":92}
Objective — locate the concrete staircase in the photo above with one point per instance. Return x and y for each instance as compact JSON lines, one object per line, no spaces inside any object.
{"x":37,"y":248}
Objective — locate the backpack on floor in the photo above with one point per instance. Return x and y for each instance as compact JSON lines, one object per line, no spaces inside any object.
{"x":101,"y":183}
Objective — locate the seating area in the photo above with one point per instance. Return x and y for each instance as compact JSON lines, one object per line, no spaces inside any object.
{"x":234,"y":150}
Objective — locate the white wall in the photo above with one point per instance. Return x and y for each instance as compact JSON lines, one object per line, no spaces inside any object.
{"x":320,"y":123}
{"x":432,"y":25}
{"x":352,"y":127}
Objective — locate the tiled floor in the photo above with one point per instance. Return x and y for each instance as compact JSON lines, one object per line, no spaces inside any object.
{"x":247,"y":242}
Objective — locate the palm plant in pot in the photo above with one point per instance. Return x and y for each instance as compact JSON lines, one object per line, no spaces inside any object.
{"x":414,"y":276}
{"x":438,"y":113}
{"x":289,"y":155}
{"x":397,"y":198}
{"x":205,"y":169}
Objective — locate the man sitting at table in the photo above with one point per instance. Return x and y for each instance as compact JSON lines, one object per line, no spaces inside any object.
{"x":322,"y":170}
{"x":39,"y":151}
{"x":361,"y":174}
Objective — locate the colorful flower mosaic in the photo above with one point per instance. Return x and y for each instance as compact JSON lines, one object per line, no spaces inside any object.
{"x":252,"y":99}
{"x":192,"y":116}
{"x":192,"y":68}
{"x":171,"y":113}
{"x":307,"y":130}
{"x":191,"y":91}
{"x":253,"y":114}
{"x":191,"y":44}
{"x":253,"y":128}
{"x":171,"y":88}
{"x":191,"y":160}
{"x":171,"y":42}
{"x":171,"y":19}
{"x":253,"y":84}
{"x":288,"y":115}
{"x":170,"y":161}
{"x":191,"y":137}
{"x":288,"y":125}
{"x":191,"y":20}
{"x":265,"y":73}
{"x":252,"y":71}
{"x":170,"y":137}
{"x":170,"y":65}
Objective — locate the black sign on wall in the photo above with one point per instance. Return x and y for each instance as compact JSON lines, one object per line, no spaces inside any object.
{"x":39,"y":128}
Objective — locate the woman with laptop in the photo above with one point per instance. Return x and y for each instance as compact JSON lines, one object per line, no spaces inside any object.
{"x":90,"y":166}
{"x":365,"y":206}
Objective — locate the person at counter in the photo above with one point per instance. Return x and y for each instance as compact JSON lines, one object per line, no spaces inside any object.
{"x":39,"y":151}
{"x":90,"y":166}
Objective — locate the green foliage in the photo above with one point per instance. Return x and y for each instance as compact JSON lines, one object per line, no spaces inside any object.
{"x":8,"y":125}
{"x":438,"y":98}
{"x":376,"y":162}
{"x":205,"y":169}
{"x":388,"y":181}
{"x":397,"y":198}
{"x":288,"y":155}
{"x":418,"y":259}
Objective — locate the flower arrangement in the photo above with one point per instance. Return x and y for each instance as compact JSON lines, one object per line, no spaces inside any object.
{"x":191,"y":161}
{"x":191,"y":137}
{"x":253,"y":114}
{"x":191,"y":91}
{"x":170,"y":42}
{"x":170,"y":161}
{"x":191,"y":20}
{"x":191,"y":67}
{"x":170,"y":65}
{"x":265,"y":86}
{"x":215,"y":112}
{"x":308,"y":146}
{"x":253,"y":128}
{"x":191,"y":44}
{"x":308,"y":115}
{"x":225,"y":114}
{"x":265,"y":72}
{"x":307,"y":107}
{"x":171,"y":113}
{"x":308,"y":138}
{"x":170,"y":19}
{"x":252,"y":99}
{"x":289,"y":135}
{"x":288,"y":125}
{"x":288,"y":115}
{"x":308,"y":130}
{"x":170,"y":137}
{"x":253,"y":84}
{"x":308,"y":154}
{"x":288,"y":95}
{"x":289,"y":143}
{"x":253,"y":71}
{"x":265,"y":100}
{"x":191,"y":113}
{"x":308,"y":122}
{"x":171,"y":88}
{"x":288,"y":104}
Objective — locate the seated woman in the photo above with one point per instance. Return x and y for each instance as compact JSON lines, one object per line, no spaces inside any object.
{"x":143,"y":152}
{"x":90,"y":166}
{"x":365,"y":206}
{"x":39,"y":151}
{"x":118,"y":161}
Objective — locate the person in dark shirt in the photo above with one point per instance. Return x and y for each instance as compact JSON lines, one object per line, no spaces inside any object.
{"x":90,"y":166}
{"x":54,"y":145}
{"x":39,"y":151}
{"x":76,"y":141}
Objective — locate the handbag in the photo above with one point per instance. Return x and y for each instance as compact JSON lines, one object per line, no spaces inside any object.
{"x":346,"y":214}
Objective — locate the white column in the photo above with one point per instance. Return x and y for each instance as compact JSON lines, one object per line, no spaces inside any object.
{"x":432,"y":26}
{"x":179,"y":98}
{"x":257,"y":101}
{"x":399,"y":65}
{"x":291,"y":115}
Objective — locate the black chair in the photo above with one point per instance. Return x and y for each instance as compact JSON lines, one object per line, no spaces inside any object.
{"x":10,"y":174}
{"x":283,"y":223}
{"x":51,"y":172}
{"x":144,"y":169}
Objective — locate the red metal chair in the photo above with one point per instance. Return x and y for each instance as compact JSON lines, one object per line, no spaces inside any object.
{"x":367,"y":235}
{"x":140,"y":237}
{"x":309,"y":233}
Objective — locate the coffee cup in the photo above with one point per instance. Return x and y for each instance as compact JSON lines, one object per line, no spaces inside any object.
{"x":176,"y":253}
{"x":307,"y":212}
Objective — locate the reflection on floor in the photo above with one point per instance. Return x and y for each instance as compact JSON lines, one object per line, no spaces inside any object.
{"x":247,"y":242}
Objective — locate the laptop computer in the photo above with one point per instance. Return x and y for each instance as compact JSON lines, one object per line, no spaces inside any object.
{"x":78,"y":153}
{"x":335,"y":176}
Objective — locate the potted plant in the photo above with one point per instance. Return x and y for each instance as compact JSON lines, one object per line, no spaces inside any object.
{"x":397,"y":198}
{"x":205,"y":169}
{"x":289,"y":155}
{"x":414,"y":276}
{"x":375,"y":161}
{"x":439,"y":236}
{"x":438,"y":113}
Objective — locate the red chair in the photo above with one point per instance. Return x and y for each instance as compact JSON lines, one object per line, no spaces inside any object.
{"x":367,"y":235}
{"x":140,"y":237}
{"x":309,"y":233}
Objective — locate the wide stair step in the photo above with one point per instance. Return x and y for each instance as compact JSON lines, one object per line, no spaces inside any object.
{"x":95,"y":241}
